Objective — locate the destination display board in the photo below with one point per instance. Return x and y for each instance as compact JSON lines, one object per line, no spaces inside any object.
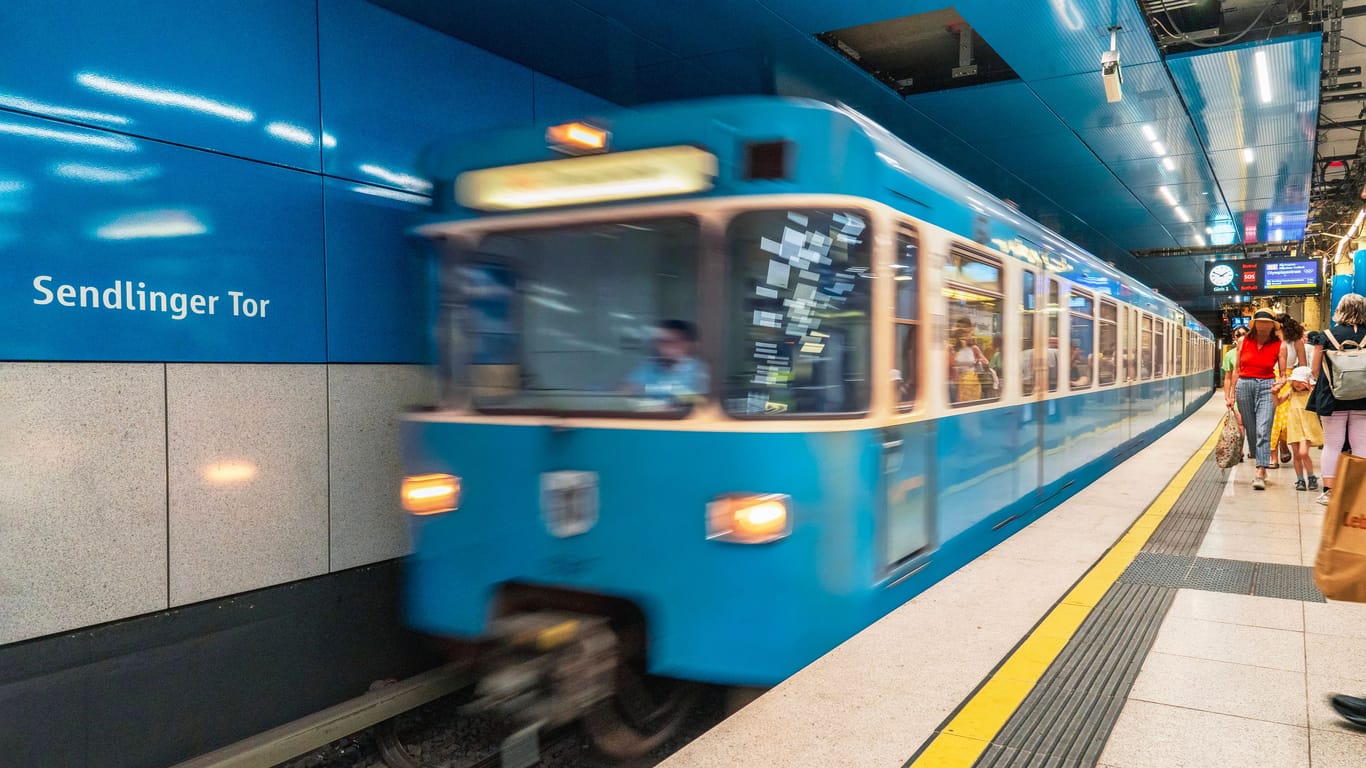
{"x":1282,"y":275}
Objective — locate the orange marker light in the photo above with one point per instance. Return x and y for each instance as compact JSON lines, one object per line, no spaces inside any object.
{"x":579,"y":136}
{"x":430,"y":494}
{"x":749,"y":518}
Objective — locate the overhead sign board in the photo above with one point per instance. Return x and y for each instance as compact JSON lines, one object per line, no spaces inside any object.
{"x":1223,"y":277}
{"x":590,"y":179}
{"x":1280,"y":274}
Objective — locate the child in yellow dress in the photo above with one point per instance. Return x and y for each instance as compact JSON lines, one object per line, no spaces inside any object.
{"x":1302,"y":427}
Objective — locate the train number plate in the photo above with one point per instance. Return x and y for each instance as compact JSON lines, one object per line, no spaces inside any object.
{"x":569,"y":502}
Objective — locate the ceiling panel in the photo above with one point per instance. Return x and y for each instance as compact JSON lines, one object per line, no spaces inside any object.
{"x":1030,"y":155}
{"x":1122,"y":143}
{"x":1255,"y":107}
{"x":1079,"y":100}
{"x":1153,"y":236}
{"x":986,"y":112}
{"x":1060,"y":37}
{"x":1261,"y":161}
{"x":1048,"y":141}
{"x":1147,"y":173}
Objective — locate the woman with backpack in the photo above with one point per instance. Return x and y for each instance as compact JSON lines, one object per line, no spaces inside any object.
{"x":1343,"y":419}
{"x":1258,"y":368}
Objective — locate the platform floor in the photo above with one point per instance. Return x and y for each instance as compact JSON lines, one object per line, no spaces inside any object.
{"x":1164,"y":616}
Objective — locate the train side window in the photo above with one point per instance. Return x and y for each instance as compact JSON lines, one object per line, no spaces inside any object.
{"x":1160,"y":355}
{"x":1178,"y":349}
{"x":799,"y":312}
{"x":1029,"y":309}
{"x":1082,"y":346}
{"x":1145,"y":349}
{"x":1109,"y":341}
{"x":906,"y":318}
{"x":1130,"y":344}
{"x":972,"y":290}
{"x":1053,"y":310}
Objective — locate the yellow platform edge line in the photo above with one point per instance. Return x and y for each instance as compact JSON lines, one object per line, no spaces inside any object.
{"x":968,"y":734}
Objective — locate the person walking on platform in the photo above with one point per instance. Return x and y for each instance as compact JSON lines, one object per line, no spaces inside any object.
{"x":1292,"y":335}
{"x":1257,"y":369}
{"x":1343,"y":420}
{"x":1301,"y":426}
{"x":1231,"y":357}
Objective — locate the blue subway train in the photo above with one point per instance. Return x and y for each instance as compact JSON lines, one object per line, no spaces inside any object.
{"x":724,"y":382}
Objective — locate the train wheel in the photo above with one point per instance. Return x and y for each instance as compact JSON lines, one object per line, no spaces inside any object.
{"x":642,"y":715}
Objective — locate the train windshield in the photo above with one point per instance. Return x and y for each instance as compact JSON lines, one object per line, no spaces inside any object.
{"x":798,"y":319}
{"x":597,"y":318}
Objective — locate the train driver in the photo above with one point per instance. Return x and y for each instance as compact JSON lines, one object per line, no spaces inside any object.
{"x":673,"y":371}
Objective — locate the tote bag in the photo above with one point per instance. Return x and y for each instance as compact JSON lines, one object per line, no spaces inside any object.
{"x":1340,"y":568}
{"x":1228,"y":451}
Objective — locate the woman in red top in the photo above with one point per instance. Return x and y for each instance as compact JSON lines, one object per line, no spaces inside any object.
{"x":1259,"y":368}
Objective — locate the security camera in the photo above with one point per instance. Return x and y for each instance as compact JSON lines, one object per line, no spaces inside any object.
{"x":1109,"y":72}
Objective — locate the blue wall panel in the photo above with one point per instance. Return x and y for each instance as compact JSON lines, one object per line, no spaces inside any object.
{"x":379,"y":308}
{"x":390,"y":86}
{"x":556,"y":102}
{"x":89,"y":208}
{"x":234,"y":76}
{"x":143,"y":140}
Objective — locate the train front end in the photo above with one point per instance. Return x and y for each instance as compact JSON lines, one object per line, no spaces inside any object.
{"x":652,"y":449}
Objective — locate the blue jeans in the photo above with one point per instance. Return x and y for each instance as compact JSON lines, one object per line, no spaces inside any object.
{"x":1258,"y":409}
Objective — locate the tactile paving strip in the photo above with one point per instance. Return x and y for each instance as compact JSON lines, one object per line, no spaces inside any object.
{"x":1239,"y":577}
{"x":1066,"y":719}
{"x":1290,"y":582}
{"x":1184,"y":527}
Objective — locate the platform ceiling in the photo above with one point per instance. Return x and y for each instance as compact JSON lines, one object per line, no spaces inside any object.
{"x":1206,"y":148}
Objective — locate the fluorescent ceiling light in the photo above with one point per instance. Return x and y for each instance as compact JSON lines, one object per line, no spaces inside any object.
{"x":1167,"y":195}
{"x":62,"y":113}
{"x":329,"y":140}
{"x":1263,"y":77}
{"x":392,"y":194}
{"x":1149,"y":133}
{"x":1159,"y":149}
{"x":1181,"y":214}
{"x":147,"y":224}
{"x":1169,"y":163}
{"x":1200,"y":240}
{"x":399,"y":179}
{"x":85,"y":139}
{"x":164,"y":97}
{"x":11,"y":186}
{"x":1247,"y":155}
{"x":102,"y":175}
{"x":290,"y":133}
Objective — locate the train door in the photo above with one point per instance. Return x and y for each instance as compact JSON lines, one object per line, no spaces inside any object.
{"x":907,"y":527}
{"x":1034,"y":375}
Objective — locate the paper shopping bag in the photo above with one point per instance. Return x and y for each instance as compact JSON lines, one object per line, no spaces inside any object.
{"x":1340,"y":568}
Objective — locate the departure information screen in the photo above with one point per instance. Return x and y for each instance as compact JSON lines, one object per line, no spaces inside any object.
{"x":1274,"y":275}
{"x":1291,"y":275}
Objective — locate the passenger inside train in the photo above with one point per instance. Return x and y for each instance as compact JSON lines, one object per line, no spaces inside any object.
{"x":673,"y":371}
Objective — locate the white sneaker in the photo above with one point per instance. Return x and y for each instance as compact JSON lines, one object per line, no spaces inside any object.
{"x":1259,"y":484}
{"x":1323,"y":497}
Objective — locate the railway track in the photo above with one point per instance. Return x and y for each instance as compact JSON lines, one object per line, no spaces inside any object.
{"x":375,"y":730}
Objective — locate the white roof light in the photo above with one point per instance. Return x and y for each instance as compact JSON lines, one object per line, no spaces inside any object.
{"x":1263,"y":77}
{"x":1167,"y":195}
{"x":1149,"y":133}
{"x":164,"y":97}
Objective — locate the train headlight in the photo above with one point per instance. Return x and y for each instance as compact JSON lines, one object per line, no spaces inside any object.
{"x":430,"y":494}
{"x":749,"y":518}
